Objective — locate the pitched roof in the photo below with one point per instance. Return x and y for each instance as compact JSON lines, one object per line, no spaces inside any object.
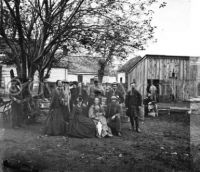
{"x":129,"y":64}
{"x":78,"y":64}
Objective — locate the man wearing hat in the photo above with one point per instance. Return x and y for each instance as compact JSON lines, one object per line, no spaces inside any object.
{"x":96,"y":90}
{"x":133,"y":101}
{"x":113,"y":116}
{"x":115,"y":92}
{"x":82,"y":92}
{"x":74,"y":93}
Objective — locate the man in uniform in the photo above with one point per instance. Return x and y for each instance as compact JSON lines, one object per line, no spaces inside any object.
{"x":116,"y":92}
{"x":133,"y":102}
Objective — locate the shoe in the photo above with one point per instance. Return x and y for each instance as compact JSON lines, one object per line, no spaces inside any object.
{"x":138,"y":130}
{"x":109,"y":135}
{"x":119,"y":134}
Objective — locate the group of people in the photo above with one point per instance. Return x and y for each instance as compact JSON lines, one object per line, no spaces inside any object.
{"x":85,"y":113}
{"x":91,"y":113}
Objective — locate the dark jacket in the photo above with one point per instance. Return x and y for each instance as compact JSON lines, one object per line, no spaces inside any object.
{"x":75,"y":93}
{"x":112,"y":109}
{"x":116,"y":93}
{"x":133,"y":98}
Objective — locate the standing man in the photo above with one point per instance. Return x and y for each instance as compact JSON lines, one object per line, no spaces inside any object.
{"x":67,"y":99}
{"x":73,"y":91}
{"x":96,"y":90}
{"x":153,"y":91}
{"x":116,"y":92}
{"x":133,"y":102}
{"x":81,"y":92}
{"x":113,"y":116}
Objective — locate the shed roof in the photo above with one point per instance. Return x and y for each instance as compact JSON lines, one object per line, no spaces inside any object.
{"x":129,"y":64}
{"x":166,"y":56}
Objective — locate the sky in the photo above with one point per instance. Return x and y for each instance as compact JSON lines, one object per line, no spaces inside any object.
{"x":178,"y":31}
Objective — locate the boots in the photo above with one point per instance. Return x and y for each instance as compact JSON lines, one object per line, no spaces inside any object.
{"x":137,"y":125}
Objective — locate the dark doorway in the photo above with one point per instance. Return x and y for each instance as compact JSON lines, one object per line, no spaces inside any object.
{"x":121,"y":79}
{"x":198,"y":89}
{"x":156,"y":83}
{"x":80,"y":78}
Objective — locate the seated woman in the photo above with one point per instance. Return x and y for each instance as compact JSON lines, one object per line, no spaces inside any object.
{"x":80,"y":125}
{"x":97,"y":114}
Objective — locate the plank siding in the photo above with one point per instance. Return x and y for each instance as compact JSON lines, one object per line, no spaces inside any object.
{"x":161,"y":67}
{"x":146,"y":74}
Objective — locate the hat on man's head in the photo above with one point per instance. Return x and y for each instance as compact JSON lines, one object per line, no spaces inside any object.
{"x":95,"y":78}
{"x":114,"y":84}
{"x":65,"y":82}
{"x":133,"y":82}
{"x":75,"y":83}
{"x":113,"y":98}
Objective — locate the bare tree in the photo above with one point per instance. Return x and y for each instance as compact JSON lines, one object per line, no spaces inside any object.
{"x":127,"y":28}
{"x":35,"y":30}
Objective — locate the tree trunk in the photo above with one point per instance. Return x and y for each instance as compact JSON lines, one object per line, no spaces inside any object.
{"x":24,"y":70}
{"x":41,"y":76}
{"x":101,"y":72}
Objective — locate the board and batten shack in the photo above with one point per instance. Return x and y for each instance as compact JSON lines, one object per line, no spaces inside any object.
{"x":178,"y":75}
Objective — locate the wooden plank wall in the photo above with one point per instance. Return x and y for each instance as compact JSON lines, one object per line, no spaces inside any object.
{"x":161,"y":68}
{"x":194,"y":75}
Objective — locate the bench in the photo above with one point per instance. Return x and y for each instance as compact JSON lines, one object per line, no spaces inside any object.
{"x":179,"y":110}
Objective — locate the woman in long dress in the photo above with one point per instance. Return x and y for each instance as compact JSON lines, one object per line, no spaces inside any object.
{"x":97,"y":114}
{"x":55,"y":124}
{"x":16,"y":105}
{"x":80,"y":125}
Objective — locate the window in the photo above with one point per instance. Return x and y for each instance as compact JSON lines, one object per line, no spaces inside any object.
{"x":80,"y":78}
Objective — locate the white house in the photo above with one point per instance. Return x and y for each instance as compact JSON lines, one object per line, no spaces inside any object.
{"x":58,"y":74}
{"x":5,"y":77}
{"x":121,"y":77}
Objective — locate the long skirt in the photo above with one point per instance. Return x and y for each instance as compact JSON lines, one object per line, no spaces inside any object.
{"x":16,"y":114}
{"x":66,"y":113}
{"x":82,"y":127}
{"x":55,"y":123}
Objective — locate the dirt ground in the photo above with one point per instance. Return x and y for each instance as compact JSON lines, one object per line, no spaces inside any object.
{"x":195,"y":140}
{"x":163,"y":145}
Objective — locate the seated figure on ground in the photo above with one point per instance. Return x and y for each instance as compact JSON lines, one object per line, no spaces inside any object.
{"x":97,"y":114}
{"x":80,"y":125}
{"x":113,"y":116}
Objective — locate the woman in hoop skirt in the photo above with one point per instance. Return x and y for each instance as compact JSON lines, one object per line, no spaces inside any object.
{"x":55,"y":123}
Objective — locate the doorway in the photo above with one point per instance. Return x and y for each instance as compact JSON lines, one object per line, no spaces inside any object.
{"x":156,"y":82}
{"x":80,"y":78}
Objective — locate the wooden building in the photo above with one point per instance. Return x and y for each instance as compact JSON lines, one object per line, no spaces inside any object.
{"x":123,"y":71}
{"x":177,"y":75}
